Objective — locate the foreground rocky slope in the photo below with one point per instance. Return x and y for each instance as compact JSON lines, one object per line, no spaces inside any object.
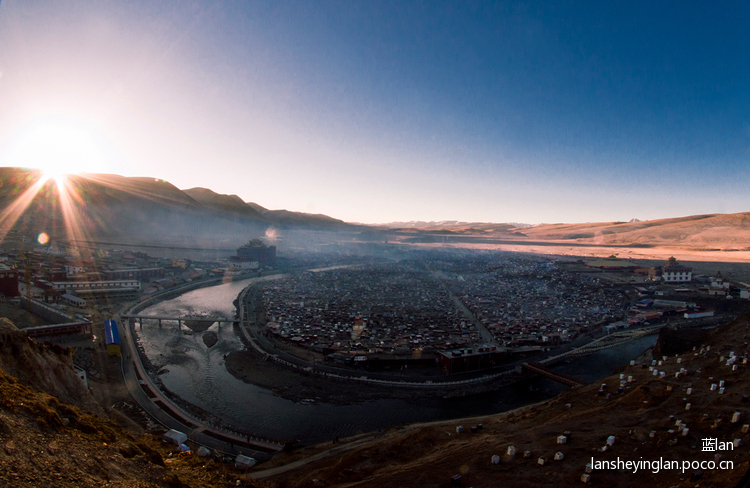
{"x":45,"y":441}
{"x":45,"y":368}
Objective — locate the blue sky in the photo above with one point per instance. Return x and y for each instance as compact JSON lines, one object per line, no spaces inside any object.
{"x":384,"y":111}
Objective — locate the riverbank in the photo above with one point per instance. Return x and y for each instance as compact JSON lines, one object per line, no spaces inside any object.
{"x":297,"y":458}
{"x":649,"y":420}
{"x":252,"y":368}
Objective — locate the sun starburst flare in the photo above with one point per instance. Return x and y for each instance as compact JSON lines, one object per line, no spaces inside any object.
{"x":68,"y":198}
{"x":56,"y":148}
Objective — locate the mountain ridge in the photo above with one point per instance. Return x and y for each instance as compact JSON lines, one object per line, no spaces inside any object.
{"x":137,"y":210}
{"x":151,"y":209}
{"x":234,"y":203}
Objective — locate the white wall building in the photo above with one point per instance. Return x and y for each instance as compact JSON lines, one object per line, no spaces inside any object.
{"x":93,"y":285}
{"x":674,"y":272}
{"x":244,"y":264}
{"x":70,"y":269}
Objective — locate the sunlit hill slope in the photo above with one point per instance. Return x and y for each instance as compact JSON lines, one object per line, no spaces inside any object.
{"x":725,"y":232}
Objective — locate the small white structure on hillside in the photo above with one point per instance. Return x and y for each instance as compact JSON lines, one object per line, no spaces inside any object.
{"x":175,"y":437}
{"x":244,"y":461}
{"x":81,"y":373}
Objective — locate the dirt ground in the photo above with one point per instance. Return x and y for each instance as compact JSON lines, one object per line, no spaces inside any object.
{"x":44,"y":442}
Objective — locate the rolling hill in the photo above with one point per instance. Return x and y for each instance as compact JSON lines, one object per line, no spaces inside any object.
{"x":283,"y":218}
{"x":137,"y":210}
{"x":712,"y":231}
{"x":150,"y":210}
{"x":725,"y":232}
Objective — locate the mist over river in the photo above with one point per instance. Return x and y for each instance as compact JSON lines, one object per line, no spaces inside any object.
{"x":198,"y":374}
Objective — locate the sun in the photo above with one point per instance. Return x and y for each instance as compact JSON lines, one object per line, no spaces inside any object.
{"x":57,"y":148}
{"x":59,"y":177}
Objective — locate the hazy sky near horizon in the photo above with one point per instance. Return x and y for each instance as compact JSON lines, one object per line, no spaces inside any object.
{"x":379,"y":111}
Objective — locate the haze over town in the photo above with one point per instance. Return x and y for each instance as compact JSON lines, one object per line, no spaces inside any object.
{"x":391,"y":111}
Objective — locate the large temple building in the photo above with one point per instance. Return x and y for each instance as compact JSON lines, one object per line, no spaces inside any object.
{"x":256,"y":250}
{"x":674,"y":272}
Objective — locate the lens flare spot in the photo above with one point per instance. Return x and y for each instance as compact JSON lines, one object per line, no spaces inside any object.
{"x":271,"y":234}
{"x":43,"y":238}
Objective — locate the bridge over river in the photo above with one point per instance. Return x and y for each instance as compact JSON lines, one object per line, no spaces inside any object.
{"x":206,"y":321}
{"x":553,"y":375}
{"x":162,"y":408}
{"x":610,"y":340}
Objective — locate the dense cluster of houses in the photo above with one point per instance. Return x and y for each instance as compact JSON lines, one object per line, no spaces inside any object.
{"x":525,"y":302}
{"x":393,"y":309}
{"x":415,"y":307}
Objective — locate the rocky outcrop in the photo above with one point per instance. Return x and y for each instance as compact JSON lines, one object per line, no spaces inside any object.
{"x":210,"y":338}
{"x":45,"y":367}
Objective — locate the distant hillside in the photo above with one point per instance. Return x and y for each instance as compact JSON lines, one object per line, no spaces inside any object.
{"x":453,"y":231}
{"x":224,"y":203}
{"x":138,"y":210}
{"x":712,"y":231}
{"x":725,"y":232}
{"x":454,"y":225}
{"x":258,"y":207}
{"x":233,"y":203}
{"x":149,"y":210}
{"x":285,"y":218}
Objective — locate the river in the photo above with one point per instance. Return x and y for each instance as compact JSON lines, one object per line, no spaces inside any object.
{"x":198,"y":374}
